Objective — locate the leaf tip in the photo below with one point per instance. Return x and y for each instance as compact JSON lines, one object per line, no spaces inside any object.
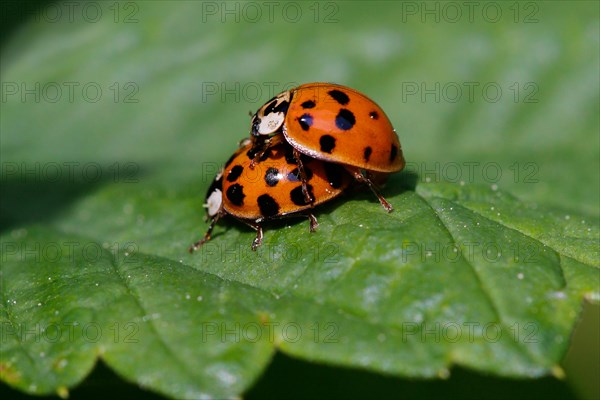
{"x":558,"y":372}
{"x":443,"y":373}
{"x":592,"y":297}
{"x":8,"y":373}
{"x":62,"y":392}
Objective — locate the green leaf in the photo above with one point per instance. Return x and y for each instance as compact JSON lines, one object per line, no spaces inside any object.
{"x":100,"y":199}
{"x":440,"y":281}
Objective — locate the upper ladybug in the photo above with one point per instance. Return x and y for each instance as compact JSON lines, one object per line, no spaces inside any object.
{"x":332,"y":123}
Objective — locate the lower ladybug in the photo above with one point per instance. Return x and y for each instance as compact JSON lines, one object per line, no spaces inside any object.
{"x":272,"y":189}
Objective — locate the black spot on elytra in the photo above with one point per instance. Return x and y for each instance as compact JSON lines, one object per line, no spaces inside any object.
{"x":327,"y":143}
{"x":374,"y":115}
{"x":393,"y":152}
{"x":305,"y":121}
{"x":367,"y":153}
{"x":308,"y":104}
{"x":334,"y":174}
{"x":289,"y":156}
{"x":268,"y":206}
{"x":272,"y":176}
{"x":345,"y":119}
{"x":339,"y":96}
{"x":294,"y":176}
{"x":235,"y":194}
{"x":297,"y":196}
{"x":235,"y":173}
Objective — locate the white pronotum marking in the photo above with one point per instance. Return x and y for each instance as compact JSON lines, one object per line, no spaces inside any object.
{"x":270,"y":123}
{"x":213,"y":202}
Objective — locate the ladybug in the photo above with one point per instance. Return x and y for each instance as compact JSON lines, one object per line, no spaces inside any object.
{"x":332,"y":123}
{"x":271,"y":190}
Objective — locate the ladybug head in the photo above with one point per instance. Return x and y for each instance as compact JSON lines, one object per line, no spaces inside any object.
{"x":269,"y":119}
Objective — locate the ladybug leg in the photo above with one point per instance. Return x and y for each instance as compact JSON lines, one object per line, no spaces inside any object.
{"x":208,"y":233}
{"x":260,"y":152}
{"x":258,"y":239}
{"x":259,"y":232}
{"x":307,"y":196}
{"x":314,"y":224}
{"x":358,"y":175}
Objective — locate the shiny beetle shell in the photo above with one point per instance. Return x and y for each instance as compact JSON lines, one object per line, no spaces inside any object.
{"x":273,"y":188}
{"x":332,"y":123}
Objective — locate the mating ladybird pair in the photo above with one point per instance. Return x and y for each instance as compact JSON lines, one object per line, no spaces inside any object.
{"x":307,"y":145}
